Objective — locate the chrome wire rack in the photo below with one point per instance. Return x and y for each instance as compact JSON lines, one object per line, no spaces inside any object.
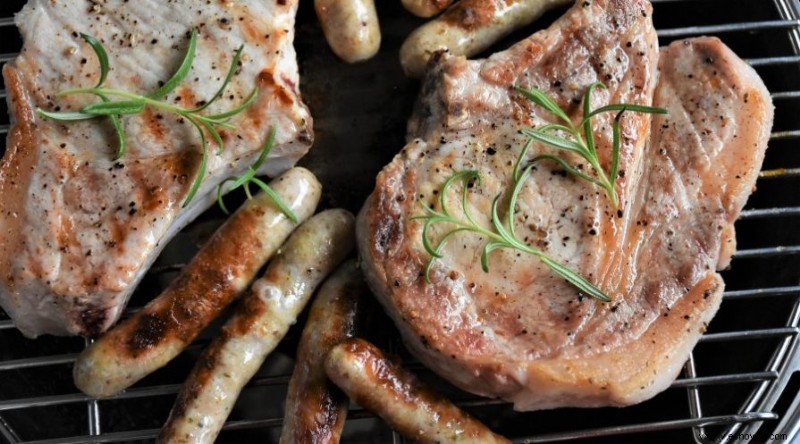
{"x":741,"y":382}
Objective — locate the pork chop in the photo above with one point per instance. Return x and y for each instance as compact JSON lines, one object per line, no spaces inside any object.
{"x":79,"y":229}
{"x":519,"y":332}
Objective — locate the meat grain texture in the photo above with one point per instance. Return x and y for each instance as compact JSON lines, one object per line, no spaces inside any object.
{"x":519,"y":332}
{"x":79,"y":229}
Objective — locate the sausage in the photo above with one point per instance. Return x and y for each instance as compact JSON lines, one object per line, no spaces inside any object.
{"x":468,"y":28}
{"x":219,"y":272}
{"x":315,"y":409}
{"x":426,"y":8}
{"x":371,"y":380}
{"x":351,"y":28}
{"x":257,"y":326}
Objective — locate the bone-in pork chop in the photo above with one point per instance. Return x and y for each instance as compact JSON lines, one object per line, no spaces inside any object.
{"x":79,"y":229}
{"x":519,"y":332}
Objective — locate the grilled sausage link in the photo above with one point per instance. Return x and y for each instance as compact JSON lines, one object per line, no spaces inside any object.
{"x":258,"y":325}
{"x":219,"y":272}
{"x":315,"y":408}
{"x":426,"y":8}
{"x":370,"y":379}
{"x":468,"y":28}
{"x":351,"y":28}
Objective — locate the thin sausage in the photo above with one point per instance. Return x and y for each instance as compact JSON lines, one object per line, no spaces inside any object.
{"x":219,"y":272}
{"x":258,"y":325}
{"x":426,"y":8}
{"x":315,"y":408}
{"x":468,"y":28}
{"x":351,"y":28}
{"x":370,"y":379}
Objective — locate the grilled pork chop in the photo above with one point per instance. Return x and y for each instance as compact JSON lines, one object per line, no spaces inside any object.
{"x":519,"y":332}
{"x":79,"y":229}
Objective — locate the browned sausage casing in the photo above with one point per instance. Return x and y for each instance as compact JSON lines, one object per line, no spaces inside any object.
{"x":468,"y":28}
{"x":258,"y":325}
{"x":370,"y":379}
{"x":219,"y":272}
{"x":315,"y":408}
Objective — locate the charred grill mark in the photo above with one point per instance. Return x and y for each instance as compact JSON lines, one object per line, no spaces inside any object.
{"x":92,"y":321}
{"x":204,"y":288}
{"x":17,"y":168}
{"x":149,"y":331}
{"x":320,"y":425}
{"x":247,"y":314}
{"x":154,"y":124}
{"x":471,"y":15}
{"x":266,"y":81}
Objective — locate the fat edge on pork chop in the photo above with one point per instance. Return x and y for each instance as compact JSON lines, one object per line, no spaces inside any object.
{"x":519,"y":332}
{"x":80,"y":229}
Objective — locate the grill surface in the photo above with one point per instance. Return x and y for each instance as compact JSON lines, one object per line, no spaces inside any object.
{"x":741,"y":382}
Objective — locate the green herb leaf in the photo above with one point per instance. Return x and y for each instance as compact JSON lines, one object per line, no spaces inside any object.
{"x":102,"y":57}
{"x":109,"y":108}
{"x":201,"y":171}
{"x":121,"y":139}
{"x":64,"y":116}
{"x":276,"y":199}
{"x":235,"y":111}
{"x":181,"y":73}
{"x":541,"y":99}
{"x":231,"y":72}
{"x":575,"y":279}
{"x":249,"y":177}
{"x":555,"y":141}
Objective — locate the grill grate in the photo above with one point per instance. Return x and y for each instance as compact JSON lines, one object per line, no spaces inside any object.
{"x":733,"y":386}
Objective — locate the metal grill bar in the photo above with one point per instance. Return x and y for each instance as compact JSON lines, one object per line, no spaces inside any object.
{"x":766,"y":213}
{"x":767,"y":252}
{"x":730,"y":27}
{"x":18,"y":364}
{"x":651,"y":427}
{"x":768,"y":61}
{"x":780,"y":173}
{"x":762,"y":292}
{"x":725,"y":379}
{"x":781,"y":135}
{"x":172,"y":389}
{"x":750,"y":334}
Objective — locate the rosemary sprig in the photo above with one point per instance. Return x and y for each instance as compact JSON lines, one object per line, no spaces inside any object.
{"x":580,"y":138}
{"x":249,"y":177}
{"x":501,"y":234}
{"x":132,"y":103}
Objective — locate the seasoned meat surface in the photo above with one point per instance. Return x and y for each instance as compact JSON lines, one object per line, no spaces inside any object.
{"x":520,"y":332}
{"x":79,"y":229}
